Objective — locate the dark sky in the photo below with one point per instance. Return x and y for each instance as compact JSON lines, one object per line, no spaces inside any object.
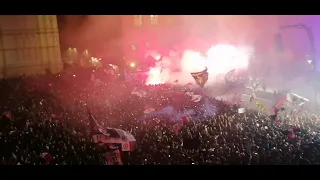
{"x":63,"y":20}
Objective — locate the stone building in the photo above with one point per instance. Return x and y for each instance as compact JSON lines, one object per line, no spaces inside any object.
{"x":28,"y":45}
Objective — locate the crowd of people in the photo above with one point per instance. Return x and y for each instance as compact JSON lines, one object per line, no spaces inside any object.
{"x":45,"y":122}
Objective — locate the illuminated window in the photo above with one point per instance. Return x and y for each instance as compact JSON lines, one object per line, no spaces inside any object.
{"x":138,"y":20}
{"x":154,"y":19}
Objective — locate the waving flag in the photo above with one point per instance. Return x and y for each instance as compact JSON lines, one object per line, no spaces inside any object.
{"x":189,"y":86}
{"x":185,"y":119}
{"x":55,"y":116}
{"x":290,"y":105}
{"x":113,"y":157}
{"x":201,"y":78}
{"x":194,"y":97}
{"x":280,"y":103}
{"x":47,"y":157}
{"x":228,"y":78}
{"x":111,"y":135}
{"x":7,"y":114}
{"x":296,"y":99}
{"x":139,"y":93}
{"x":120,"y":137}
{"x":260,"y":106}
{"x":176,"y":128}
{"x":148,"y":110}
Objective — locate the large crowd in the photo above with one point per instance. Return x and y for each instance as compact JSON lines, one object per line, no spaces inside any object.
{"x":47,"y":115}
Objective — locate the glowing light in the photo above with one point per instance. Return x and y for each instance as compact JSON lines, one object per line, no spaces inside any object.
{"x":224,"y":57}
{"x":132,"y":65}
{"x":96,"y":62}
{"x":158,"y":57}
{"x":309,"y":61}
{"x":219,"y":60}
{"x":154,"y":77}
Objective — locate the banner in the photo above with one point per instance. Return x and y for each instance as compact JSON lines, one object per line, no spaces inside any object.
{"x":194,"y":97}
{"x":228,"y":78}
{"x":201,"y":78}
{"x":241,"y":110}
{"x":113,"y":157}
{"x":111,"y":135}
{"x":115,"y":136}
{"x":139,"y":93}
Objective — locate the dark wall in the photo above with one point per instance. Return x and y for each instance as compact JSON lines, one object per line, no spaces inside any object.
{"x":89,"y":32}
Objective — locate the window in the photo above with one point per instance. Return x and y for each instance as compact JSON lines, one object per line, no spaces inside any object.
{"x":138,"y":20}
{"x":154,"y":19}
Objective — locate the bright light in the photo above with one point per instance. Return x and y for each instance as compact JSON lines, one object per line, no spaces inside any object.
{"x":223,"y":57}
{"x":309,"y":61}
{"x":219,"y":60}
{"x":154,"y":76}
{"x":132,"y":64}
{"x":95,"y":61}
{"x":158,"y":57}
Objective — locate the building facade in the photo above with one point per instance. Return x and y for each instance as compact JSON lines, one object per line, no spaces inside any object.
{"x":28,"y":45}
{"x":141,"y":33}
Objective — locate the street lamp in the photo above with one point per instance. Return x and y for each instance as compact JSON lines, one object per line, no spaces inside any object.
{"x":310,"y":35}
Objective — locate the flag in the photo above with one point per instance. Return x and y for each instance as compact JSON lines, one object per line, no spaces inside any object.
{"x":113,"y":157}
{"x":296,"y":99}
{"x":128,"y":146}
{"x":196,"y":98}
{"x":47,"y":157}
{"x":260,"y":105}
{"x":280,"y":103}
{"x":55,"y":116}
{"x":148,"y":110}
{"x":228,"y":77}
{"x":241,"y":110}
{"x":201,"y":78}
{"x":189,"y":86}
{"x":7,"y":114}
{"x":92,"y":123}
{"x":291,"y":135}
{"x":111,"y":135}
{"x":251,"y":98}
{"x":185,"y":119}
{"x":139,"y":93}
{"x":276,"y":122}
{"x":12,"y":160}
{"x":116,"y":136}
{"x":176,"y":128}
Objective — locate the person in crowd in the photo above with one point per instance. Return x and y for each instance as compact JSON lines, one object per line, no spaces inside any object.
{"x":45,"y":122}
